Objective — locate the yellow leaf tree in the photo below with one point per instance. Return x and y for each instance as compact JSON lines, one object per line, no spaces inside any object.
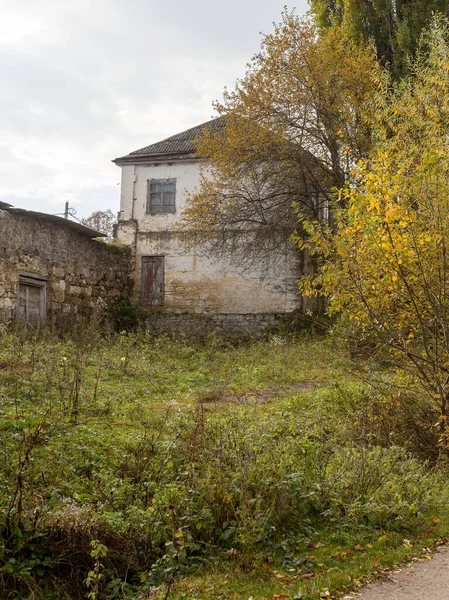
{"x":292,"y":127}
{"x":385,"y":261}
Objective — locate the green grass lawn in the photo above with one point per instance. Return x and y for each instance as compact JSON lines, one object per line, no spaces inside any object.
{"x":266,"y":470}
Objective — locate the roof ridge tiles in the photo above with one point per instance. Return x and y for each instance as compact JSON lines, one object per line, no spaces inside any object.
{"x":176,"y":146}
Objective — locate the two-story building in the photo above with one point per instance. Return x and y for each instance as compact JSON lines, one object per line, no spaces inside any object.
{"x":177,"y":281}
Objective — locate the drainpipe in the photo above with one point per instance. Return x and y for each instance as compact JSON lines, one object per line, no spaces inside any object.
{"x":133,"y":200}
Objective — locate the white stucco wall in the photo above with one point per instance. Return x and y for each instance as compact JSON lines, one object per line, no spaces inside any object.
{"x":193,"y":282}
{"x":133,"y":198}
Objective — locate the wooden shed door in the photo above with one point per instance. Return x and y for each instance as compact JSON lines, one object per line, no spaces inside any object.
{"x":152,"y":293}
{"x":31,"y":300}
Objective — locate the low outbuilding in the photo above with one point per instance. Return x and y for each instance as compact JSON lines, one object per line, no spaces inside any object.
{"x":56,"y":270}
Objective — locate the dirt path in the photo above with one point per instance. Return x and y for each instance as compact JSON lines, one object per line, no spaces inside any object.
{"x":423,"y":580}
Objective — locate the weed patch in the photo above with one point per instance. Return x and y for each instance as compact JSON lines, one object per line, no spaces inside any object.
{"x":134,"y":468}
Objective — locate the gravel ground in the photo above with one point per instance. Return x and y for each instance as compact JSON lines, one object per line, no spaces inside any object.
{"x":422,"y":580}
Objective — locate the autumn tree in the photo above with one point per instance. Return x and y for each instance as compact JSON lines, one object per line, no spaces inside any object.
{"x":393,"y":26}
{"x":102,"y":221}
{"x":385,"y":263}
{"x":291,"y":129}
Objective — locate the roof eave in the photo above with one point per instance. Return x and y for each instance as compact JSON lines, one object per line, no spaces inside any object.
{"x":137,"y":159}
{"x":55,"y":220}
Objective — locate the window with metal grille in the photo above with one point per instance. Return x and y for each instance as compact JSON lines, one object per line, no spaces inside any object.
{"x":161,"y":196}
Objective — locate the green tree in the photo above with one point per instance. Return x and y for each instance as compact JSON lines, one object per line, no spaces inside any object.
{"x":394,"y":26}
{"x":385,"y":262}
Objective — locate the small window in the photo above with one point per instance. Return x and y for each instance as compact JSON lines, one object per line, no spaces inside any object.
{"x":326,"y":210}
{"x":32,"y":298}
{"x":161,"y":196}
{"x":320,"y":206}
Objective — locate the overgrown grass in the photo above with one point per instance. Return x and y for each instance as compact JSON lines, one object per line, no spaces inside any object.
{"x":138,"y":467}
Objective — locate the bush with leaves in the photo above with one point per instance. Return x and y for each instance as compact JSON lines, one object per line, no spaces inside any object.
{"x":384,"y":262}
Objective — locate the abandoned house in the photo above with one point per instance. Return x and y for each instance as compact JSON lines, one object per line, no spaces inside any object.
{"x":179,"y":284}
{"x":53,"y":269}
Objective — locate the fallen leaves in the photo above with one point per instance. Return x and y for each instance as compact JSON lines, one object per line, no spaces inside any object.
{"x":315,"y":545}
{"x":282,"y":578}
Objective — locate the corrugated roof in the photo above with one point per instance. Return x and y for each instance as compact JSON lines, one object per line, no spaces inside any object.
{"x":38,"y":216}
{"x":176,"y":147}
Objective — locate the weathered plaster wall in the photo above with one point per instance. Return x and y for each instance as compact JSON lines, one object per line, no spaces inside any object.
{"x":193,"y":282}
{"x":134,"y":186}
{"x":196,"y":284}
{"x":83,"y":274}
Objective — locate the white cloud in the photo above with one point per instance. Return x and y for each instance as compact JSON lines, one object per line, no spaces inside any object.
{"x":85,"y":82}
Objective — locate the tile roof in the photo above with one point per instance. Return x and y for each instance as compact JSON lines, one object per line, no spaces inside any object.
{"x":176,"y":147}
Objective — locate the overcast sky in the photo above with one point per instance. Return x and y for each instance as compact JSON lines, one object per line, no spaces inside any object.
{"x":86,"y":81}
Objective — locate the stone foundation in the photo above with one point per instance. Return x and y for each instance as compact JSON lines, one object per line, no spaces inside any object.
{"x":246,"y":326}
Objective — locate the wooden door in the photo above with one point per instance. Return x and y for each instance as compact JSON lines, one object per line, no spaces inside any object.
{"x":31,"y":302}
{"x":152,"y":290}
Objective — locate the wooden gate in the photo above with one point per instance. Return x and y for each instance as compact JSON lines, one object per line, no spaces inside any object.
{"x":152,"y":288}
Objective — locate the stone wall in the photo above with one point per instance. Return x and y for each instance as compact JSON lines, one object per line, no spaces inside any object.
{"x":239,"y":326}
{"x":81,"y":275}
